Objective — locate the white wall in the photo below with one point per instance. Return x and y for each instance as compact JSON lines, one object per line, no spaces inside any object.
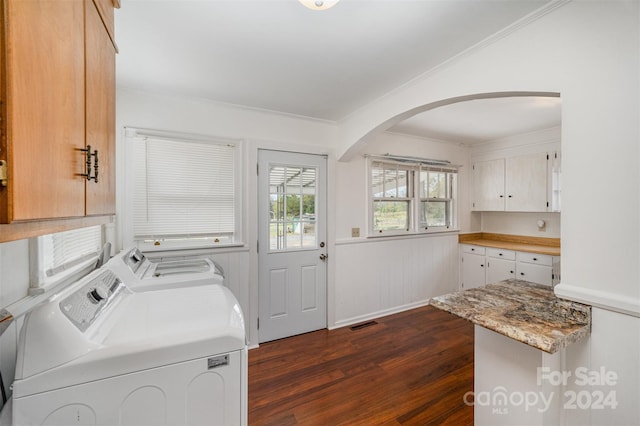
{"x":258,"y":129}
{"x":347,"y":205}
{"x":589,"y":52}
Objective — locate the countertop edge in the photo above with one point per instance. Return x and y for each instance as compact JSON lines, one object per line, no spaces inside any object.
{"x":545,"y":343}
{"x":538,"y":245}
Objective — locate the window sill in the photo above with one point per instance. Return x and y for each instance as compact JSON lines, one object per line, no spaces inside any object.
{"x":413,"y":233}
{"x":388,"y":237}
{"x":183,"y":245}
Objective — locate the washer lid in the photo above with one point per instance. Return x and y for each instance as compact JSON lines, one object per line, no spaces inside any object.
{"x":152,"y":329}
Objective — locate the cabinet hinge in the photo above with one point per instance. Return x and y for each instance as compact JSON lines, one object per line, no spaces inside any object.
{"x":258,"y":246}
{"x":257,"y":169}
{"x":258,"y":323}
{"x":4,"y":174}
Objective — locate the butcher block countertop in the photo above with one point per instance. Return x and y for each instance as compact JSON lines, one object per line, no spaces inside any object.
{"x":539,"y":245}
{"x":527,"y":312}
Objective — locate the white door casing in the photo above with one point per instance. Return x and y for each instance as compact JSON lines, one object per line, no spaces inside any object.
{"x":292,"y":249}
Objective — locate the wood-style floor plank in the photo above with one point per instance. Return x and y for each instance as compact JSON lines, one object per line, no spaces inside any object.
{"x":411,"y":368}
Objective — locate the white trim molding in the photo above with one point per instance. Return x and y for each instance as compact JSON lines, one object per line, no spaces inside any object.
{"x":598,"y":298}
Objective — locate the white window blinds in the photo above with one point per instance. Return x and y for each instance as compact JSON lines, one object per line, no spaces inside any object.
{"x":183,"y":189}
{"x":64,"y":250}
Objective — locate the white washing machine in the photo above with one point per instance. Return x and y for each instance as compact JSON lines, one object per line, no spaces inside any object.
{"x":98,"y":353}
{"x":141,"y":274}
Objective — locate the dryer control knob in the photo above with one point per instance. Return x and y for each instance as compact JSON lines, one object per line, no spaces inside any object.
{"x":98,"y":294}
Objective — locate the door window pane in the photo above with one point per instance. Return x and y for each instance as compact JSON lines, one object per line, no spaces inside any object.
{"x":293,"y":207}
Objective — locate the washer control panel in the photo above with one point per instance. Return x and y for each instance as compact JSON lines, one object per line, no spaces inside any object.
{"x":85,"y":305}
{"x":134,"y":259}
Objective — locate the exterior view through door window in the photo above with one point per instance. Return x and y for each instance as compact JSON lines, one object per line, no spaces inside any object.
{"x":292,"y":203}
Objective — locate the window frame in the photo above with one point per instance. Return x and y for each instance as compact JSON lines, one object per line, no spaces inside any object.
{"x":43,"y":276}
{"x":167,"y":244}
{"x":413,"y":197}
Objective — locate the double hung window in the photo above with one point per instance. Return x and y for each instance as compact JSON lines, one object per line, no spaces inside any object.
{"x":411,"y":197}
{"x":185,"y":191}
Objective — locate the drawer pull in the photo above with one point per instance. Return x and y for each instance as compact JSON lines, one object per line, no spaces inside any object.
{"x":535,"y":259}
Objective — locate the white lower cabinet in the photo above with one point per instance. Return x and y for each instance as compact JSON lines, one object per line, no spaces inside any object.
{"x":472,"y":266}
{"x":480,"y":266}
{"x":536,"y":268}
{"x":501,"y":265}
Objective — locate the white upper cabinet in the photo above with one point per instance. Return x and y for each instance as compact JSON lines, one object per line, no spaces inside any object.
{"x":488,"y":185}
{"x":517,"y":184}
{"x":526,"y":183}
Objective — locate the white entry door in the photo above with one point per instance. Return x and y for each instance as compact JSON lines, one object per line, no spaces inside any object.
{"x":292,"y":243}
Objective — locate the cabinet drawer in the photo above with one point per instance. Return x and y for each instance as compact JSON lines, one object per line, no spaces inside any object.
{"x":540,"y":274}
{"x":472,"y":249}
{"x":501,"y":254}
{"x":539,"y":259}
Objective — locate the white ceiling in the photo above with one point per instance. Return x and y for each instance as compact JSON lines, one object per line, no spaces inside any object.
{"x":279,"y":56}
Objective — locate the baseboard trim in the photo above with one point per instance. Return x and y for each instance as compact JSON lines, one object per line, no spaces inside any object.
{"x":378,"y":314}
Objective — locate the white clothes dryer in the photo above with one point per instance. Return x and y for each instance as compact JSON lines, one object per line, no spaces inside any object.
{"x":97,"y":353}
{"x":141,"y":274}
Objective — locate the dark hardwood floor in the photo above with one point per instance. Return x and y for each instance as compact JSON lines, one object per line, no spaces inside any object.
{"x":411,"y":368}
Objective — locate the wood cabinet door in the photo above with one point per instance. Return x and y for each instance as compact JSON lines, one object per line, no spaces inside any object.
{"x":45,"y":109}
{"x":526,"y":183}
{"x":488,"y":185}
{"x":100,"y":112}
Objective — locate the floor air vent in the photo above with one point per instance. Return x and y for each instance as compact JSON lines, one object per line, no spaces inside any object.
{"x":363,"y":325}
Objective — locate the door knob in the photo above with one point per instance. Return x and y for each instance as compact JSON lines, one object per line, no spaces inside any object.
{"x":323,"y":256}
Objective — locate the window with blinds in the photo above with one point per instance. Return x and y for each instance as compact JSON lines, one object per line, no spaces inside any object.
{"x":64,"y":250}
{"x":184,"y":190}
{"x":410,"y":197}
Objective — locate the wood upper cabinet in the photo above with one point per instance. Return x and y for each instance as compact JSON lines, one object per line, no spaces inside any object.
{"x":517,"y":184}
{"x":100,"y":111}
{"x":58,"y":96}
{"x":43,"y":123}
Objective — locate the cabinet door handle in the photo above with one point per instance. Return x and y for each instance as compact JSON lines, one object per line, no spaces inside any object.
{"x":511,"y":272}
{"x":535,"y":259}
{"x":482,"y":266}
{"x":88,"y":156}
{"x":522,"y":273}
{"x":499,"y":254}
{"x":95,"y":166}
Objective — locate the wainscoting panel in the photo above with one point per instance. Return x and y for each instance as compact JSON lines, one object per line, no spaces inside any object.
{"x":381,"y":276}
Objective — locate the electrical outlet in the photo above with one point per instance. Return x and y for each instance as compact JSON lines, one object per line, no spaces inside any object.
{"x":355,"y":232}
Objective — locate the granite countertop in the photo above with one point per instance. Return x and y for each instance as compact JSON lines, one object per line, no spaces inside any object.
{"x":527,"y":312}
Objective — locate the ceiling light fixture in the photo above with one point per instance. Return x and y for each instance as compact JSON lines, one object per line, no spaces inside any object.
{"x":319,"y":4}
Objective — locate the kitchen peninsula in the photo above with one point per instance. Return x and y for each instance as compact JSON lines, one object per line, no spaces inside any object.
{"x":524,"y":341}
